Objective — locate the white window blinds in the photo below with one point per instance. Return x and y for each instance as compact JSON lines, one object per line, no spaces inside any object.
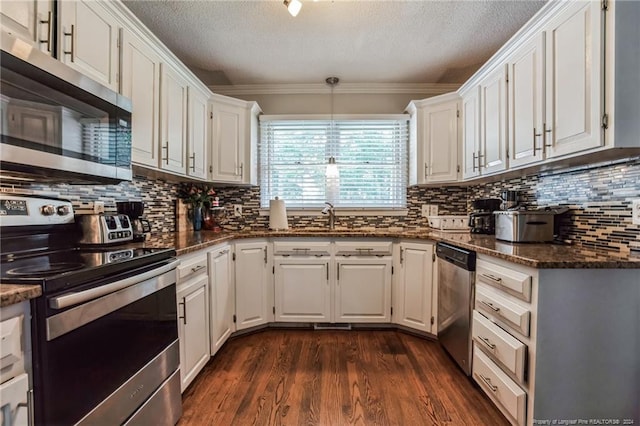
{"x":370,"y":168}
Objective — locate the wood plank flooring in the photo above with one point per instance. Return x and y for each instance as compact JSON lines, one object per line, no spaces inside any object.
{"x":305,"y":377}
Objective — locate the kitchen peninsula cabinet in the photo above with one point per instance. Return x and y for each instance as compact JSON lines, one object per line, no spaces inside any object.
{"x":434,"y":139}
{"x":415,"y":295}
{"x":88,"y":40}
{"x":254,"y":284}
{"x":193,"y":315}
{"x":222,"y":309}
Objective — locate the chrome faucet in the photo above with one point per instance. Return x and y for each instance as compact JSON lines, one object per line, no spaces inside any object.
{"x":332,"y":215}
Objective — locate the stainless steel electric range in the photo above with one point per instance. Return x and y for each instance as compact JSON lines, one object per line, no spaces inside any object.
{"x":104,"y":332}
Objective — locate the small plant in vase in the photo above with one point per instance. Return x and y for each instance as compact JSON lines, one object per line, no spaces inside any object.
{"x":197,"y":197}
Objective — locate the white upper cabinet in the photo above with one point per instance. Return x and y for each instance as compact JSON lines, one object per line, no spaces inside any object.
{"x":471,"y":132}
{"x":30,"y":21}
{"x":434,"y":139}
{"x":141,"y":83}
{"x":573,"y":80}
{"x":526,"y":99}
{"x":173,"y":120}
{"x":234,"y":133}
{"x":493,"y":122}
{"x":88,"y":40}
{"x":198,"y":134}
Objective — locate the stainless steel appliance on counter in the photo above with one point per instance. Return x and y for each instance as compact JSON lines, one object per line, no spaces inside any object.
{"x":57,"y":124}
{"x":135,"y":210}
{"x":456,"y":286}
{"x":104,"y":332}
{"x":528,"y":226}
{"x":481,"y":219}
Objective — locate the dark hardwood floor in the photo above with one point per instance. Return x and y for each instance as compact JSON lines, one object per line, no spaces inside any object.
{"x":305,"y":377}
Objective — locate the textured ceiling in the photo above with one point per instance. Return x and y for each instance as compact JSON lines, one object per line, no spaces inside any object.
{"x":258,"y":42}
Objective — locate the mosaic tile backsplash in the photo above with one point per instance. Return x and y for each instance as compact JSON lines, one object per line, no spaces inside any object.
{"x":599,"y":198}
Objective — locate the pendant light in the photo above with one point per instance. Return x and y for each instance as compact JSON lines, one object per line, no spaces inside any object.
{"x":332,"y":173}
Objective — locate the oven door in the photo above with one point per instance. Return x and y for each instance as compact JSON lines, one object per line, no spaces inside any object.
{"x":102,"y":352}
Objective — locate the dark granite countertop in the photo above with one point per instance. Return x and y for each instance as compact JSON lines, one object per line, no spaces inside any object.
{"x":542,"y":256}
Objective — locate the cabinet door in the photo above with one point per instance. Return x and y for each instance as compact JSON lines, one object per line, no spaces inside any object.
{"x":173,"y":133}
{"x":573,"y":76}
{"x":228,"y":128}
{"x":141,"y":83}
{"x":193,"y":328}
{"x":413,"y":299}
{"x":198,"y":134}
{"x":30,"y":21}
{"x":302,"y":290}
{"x":363,"y":290}
{"x":471,"y":133}
{"x":493,"y":106}
{"x":222,"y":297}
{"x":441,"y":141}
{"x":526,"y":100}
{"x":254,"y":287}
{"x":88,"y":40}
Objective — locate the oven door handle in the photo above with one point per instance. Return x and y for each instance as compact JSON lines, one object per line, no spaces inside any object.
{"x":142,"y":285}
{"x":74,"y":298}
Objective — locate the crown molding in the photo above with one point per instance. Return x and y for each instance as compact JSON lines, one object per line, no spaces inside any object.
{"x":431,"y":89}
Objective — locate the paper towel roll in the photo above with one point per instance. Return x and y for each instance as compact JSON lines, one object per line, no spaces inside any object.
{"x":277,"y":215}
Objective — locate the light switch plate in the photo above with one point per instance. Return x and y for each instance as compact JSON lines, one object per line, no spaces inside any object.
{"x":237,"y":210}
{"x":425,"y":210}
{"x":433,"y":210}
{"x":635,"y":212}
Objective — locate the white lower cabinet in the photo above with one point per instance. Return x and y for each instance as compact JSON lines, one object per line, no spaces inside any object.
{"x":510,"y":397}
{"x":193,"y":317}
{"x":414,"y":297}
{"x":222,"y":308}
{"x":363,"y":290}
{"x":254,"y":284}
{"x":302,"y":289}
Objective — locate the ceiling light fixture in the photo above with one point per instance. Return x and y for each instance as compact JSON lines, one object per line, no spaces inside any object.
{"x":293,"y":6}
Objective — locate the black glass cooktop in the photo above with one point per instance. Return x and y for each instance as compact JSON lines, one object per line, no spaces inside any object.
{"x":63,"y":269}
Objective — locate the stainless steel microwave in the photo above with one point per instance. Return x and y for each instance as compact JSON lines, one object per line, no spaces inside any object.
{"x":57,"y":124}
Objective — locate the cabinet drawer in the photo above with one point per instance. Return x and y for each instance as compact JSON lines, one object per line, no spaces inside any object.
{"x":500,"y":388}
{"x":513,"y":282}
{"x":503,"y":310}
{"x":301,"y":248}
{"x":505,"y":348}
{"x":363,"y":248}
{"x":191,"y":267}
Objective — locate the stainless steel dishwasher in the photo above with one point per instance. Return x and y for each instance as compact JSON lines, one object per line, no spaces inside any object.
{"x":456,"y":286}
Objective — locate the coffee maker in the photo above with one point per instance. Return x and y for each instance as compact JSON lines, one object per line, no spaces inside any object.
{"x":481,"y":219}
{"x":135,"y":209}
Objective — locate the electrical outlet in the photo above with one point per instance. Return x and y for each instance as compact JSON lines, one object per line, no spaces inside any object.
{"x":237,"y":210}
{"x":433,"y":210}
{"x":635,"y":212}
{"x":98,"y":206}
{"x":425,"y":210}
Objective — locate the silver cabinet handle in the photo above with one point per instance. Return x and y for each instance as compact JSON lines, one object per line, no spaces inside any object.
{"x":546,"y":131}
{"x":193,"y":162}
{"x":48,"y":23}
{"x":480,"y":165}
{"x":165,"y":147}
{"x":487,"y":342}
{"x":241,"y":170}
{"x":487,"y":381}
{"x":184,"y":310}
{"x":475,"y":157}
{"x":72,"y":35}
{"x":535,"y":139}
{"x":490,"y":305}
{"x":497,"y":280}
{"x":222,"y":253}
{"x":265,"y":255}
{"x":327,"y":265}
{"x":338,"y":272}
{"x":401,"y":255}
{"x":425,"y":170}
{"x":197,"y":268}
